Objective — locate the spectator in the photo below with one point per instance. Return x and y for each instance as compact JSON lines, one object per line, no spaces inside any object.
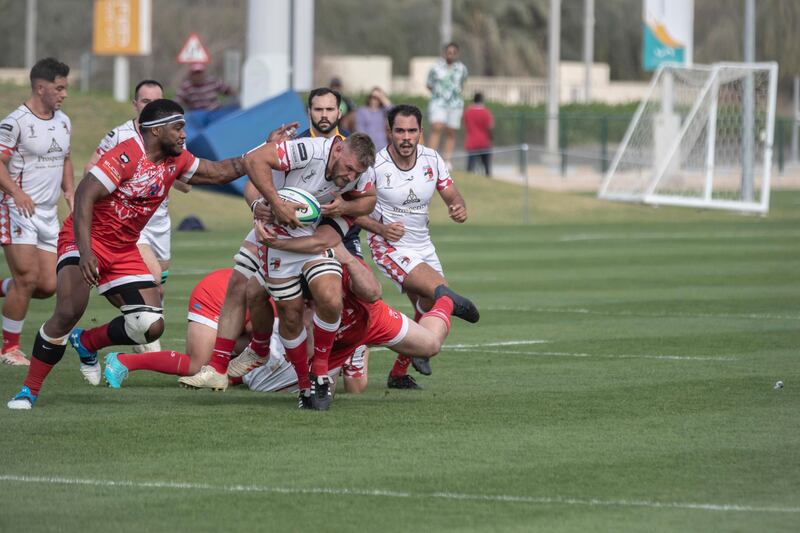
{"x":478,"y":123}
{"x":347,"y":116}
{"x":371,"y":118}
{"x":201,"y":91}
{"x":446,"y":82}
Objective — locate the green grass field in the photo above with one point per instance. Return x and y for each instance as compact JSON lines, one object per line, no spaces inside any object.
{"x":621,"y":379}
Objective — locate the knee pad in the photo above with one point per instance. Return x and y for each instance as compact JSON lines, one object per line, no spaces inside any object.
{"x":328,"y":266}
{"x":138,"y":319}
{"x":285,"y":291}
{"x":245,"y":262}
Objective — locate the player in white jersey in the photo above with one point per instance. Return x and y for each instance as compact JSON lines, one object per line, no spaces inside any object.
{"x":328,"y":169}
{"x":406,"y":175}
{"x":154,"y":241}
{"x":35,"y":166}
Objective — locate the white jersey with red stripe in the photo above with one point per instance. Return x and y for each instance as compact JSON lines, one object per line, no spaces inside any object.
{"x":303,"y":164}
{"x":405,"y":194}
{"x":121,"y":133}
{"x":37,"y":148}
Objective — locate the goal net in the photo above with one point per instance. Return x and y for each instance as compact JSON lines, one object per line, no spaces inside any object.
{"x":702,"y":137}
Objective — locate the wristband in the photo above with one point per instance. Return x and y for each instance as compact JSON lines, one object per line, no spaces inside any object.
{"x":253,"y":205}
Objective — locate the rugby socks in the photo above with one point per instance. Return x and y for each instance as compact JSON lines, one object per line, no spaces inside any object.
{"x":442,"y":309}
{"x":99,"y":337}
{"x":223,"y":348}
{"x":165,"y":361}
{"x":4,"y":285}
{"x":260,"y":344}
{"x":324,"y":334}
{"x":47,"y":351}
{"x":400,"y":367}
{"x":297,"y":354}
{"x":12,"y":329}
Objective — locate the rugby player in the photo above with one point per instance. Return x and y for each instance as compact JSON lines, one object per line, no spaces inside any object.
{"x":97,"y":245}
{"x":35,"y":163}
{"x":405,"y":175}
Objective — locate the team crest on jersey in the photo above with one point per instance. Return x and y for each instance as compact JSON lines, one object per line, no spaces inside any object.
{"x":412,"y":198}
{"x":275,"y":263}
{"x":171,"y":169}
{"x":428,"y":173}
{"x":17,"y":231}
{"x":124,"y":158}
{"x":405,"y":260}
{"x":33,"y":132}
{"x":54,"y":147}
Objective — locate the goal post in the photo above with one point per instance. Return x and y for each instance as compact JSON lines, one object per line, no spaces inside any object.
{"x":702,"y":137}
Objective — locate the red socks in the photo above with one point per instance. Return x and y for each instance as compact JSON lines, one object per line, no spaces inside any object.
{"x":442,"y":309}
{"x":37,"y":372}
{"x":297,"y":354}
{"x":222,"y":354}
{"x":324,"y":334}
{"x":166,"y":362}
{"x":260,"y":344}
{"x":96,"y":338}
{"x":10,"y":340}
{"x":400,"y":367}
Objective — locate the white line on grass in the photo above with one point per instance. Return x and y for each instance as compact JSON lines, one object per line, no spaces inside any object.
{"x":607,"y":356}
{"x":533,"y":500}
{"x":481,"y":345}
{"x":670,"y":236}
{"x":664,"y":314}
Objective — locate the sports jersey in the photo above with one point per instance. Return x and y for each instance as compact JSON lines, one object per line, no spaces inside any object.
{"x":123,"y":132}
{"x":208,"y":296}
{"x":137,"y":188}
{"x":404,"y":195}
{"x":303,"y":164}
{"x":37,"y":148}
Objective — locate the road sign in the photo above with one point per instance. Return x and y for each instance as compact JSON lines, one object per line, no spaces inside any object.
{"x":193,"y":51}
{"x":122,"y":27}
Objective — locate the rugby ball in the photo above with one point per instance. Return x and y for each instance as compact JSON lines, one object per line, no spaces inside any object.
{"x":308,"y":215}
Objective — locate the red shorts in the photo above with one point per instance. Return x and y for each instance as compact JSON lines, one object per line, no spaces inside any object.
{"x":386,"y":327}
{"x":117,"y":266}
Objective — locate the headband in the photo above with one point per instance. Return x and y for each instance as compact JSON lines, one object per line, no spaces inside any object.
{"x":163,"y":121}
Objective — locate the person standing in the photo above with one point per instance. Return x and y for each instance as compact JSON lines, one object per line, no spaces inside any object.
{"x":478,"y":123}
{"x":446,"y":82}
{"x":371,"y":118}
{"x":201,"y":91}
{"x":36,"y":163}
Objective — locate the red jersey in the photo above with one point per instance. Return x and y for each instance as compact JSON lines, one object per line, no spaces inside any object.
{"x":356,"y":317}
{"x":208,"y":296}
{"x":478,"y":123}
{"x":137,"y":188}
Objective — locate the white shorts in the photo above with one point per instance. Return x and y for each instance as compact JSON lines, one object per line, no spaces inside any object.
{"x":40,"y":230}
{"x":278,"y":375}
{"x":157,"y":235}
{"x":397,"y":263}
{"x":284,"y":265}
{"x":449,"y":116}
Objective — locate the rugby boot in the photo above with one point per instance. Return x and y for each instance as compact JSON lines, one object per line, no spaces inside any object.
{"x":422,"y":365}
{"x":402,"y":382}
{"x":90,"y":367}
{"x":245,"y":362}
{"x":207,"y":378}
{"x":321,"y":394}
{"x":24,"y":399}
{"x":463,"y":307}
{"x":115,"y":372}
{"x":304,"y":399}
{"x":15,"y":357}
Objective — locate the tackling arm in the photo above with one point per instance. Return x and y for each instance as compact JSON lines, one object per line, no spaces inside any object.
{"x":362,"y":280}
{"x":217,"y":172}
{"x":258,"y":164}
{"x":325,"y":237}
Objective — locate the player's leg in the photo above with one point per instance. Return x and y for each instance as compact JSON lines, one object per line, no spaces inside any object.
{"x":262,"y":318}
{"x":22,"y":260}
{"x":154,"y":266}
{"x":487,"y":163}
{"x":355,"y":371}
{"x":72,"y":297}
{"x":435,"y":135}
{"x":289,"y":303}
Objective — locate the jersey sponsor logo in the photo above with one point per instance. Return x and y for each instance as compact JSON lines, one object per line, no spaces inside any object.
{"x":412,"y":198}
{"x":107,"y":165}
{"x":109,"y":134}
{"x":306,"y":177}
{"x":54,"y":147}
{"x":33,"y":132}
{"x":7,"y":127}
{"x":303,"y":154}
{"x":388,"y":177}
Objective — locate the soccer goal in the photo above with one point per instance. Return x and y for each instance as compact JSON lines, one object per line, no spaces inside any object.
{"x":702,"y":137}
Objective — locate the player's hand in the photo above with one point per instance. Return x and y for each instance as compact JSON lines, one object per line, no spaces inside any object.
{"x":458,"y":213}
{"x":393,"y":232}
{"x":263,"y":212}
{"x":286,"y":213}
{"x":24,"y":204}
{"x":333,"y":209}
{"x":284,"y":133}
{"x":89,"y":270}
{"x":264,"y":234}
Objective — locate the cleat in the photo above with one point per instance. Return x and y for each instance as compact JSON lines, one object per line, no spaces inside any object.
{"x":321,"y":395}
{"x":154,"y":346}
{"x":87,"y":357}
{"x":304,"y":399}
{"x":463,"y":307}
{"x":207,"y":378}
{"x":422,"y":365}
{"x":23,"y":400}
{"x":402,"y":382}
{"x":91,"y":373}
{"x":115,"y":372}
{"x":15,"y":357}
{"x":245,"y":362}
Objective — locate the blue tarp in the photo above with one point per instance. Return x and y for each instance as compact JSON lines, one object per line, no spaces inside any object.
{"x":237,"y":132}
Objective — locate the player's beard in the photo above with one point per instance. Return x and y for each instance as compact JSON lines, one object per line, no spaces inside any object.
{"x":326,"y":128}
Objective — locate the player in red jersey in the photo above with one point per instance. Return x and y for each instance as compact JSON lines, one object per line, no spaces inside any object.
{"x":97,"y":245}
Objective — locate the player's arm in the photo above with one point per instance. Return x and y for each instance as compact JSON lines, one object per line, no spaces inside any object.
{"x":92,"y":161}
{"x":90,"y":191}
{"x":68,"y":182}
{"x":181,"y":186}
{"x":456,"y":206}
{"x":362,"y":281}
{"x":258,"y":165}
{"x":324,"y":237}
{"x":391,"y":232}
{"x":217,"y":172}
{"x":353,"y":204}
